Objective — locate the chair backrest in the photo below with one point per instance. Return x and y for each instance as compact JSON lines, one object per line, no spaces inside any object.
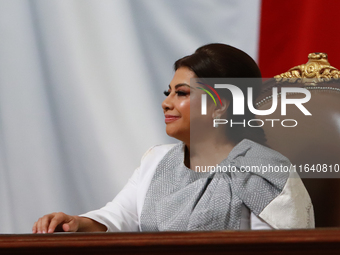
{"x":313,"y":145}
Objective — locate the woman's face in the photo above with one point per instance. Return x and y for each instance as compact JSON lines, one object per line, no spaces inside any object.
{"x":176,"y":106}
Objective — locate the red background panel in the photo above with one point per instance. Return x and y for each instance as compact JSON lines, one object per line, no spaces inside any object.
{"x":291,"y":29}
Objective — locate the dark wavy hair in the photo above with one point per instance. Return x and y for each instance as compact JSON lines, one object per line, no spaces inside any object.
{"x":224,"y":61}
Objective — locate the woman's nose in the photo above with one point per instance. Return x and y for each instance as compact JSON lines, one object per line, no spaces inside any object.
{"x":167,"y":103}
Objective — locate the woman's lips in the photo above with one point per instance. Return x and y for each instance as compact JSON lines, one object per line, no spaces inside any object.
{"x":171,"y":118}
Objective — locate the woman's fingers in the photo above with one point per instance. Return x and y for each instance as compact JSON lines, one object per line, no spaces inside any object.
{"x":45,"y":222}
{"x":72,"y":225}
{"x":34,"y":228}
{"x":41,"y":225}
{"x":49,"y":223}
{"x":59,"y":218}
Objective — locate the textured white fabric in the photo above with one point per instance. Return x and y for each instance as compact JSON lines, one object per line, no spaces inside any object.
{"x":123,"y":213}
{"x":180,"y":199}
{"x":294,"y":213}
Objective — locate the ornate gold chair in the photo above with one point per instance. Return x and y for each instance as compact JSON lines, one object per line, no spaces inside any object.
{"x":313,"y":145}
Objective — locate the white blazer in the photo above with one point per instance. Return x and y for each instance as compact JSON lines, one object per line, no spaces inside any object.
{"x":124,"y":211}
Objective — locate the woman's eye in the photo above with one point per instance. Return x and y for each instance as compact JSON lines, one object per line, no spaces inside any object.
{"x":181,"y":93}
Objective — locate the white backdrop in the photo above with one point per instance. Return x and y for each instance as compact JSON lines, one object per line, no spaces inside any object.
{"x":81,"y":85}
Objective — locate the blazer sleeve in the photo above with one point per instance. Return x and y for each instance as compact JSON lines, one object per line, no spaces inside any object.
{"x":121,"y":213}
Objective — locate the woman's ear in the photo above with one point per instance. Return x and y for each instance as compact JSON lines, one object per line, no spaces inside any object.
{"x":220,"y":110}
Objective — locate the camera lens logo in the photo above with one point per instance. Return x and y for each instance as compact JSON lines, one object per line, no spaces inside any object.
{"x":204,"y":97}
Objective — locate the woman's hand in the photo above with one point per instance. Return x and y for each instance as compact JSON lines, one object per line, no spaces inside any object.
{"x":62,"y":222}
{"x":56,"y":222}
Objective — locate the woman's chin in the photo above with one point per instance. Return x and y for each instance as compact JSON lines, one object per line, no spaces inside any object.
{"x":171,"y":133}
{"x":177,"y":134}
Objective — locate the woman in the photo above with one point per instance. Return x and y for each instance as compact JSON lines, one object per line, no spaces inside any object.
{"x":171,"y":190}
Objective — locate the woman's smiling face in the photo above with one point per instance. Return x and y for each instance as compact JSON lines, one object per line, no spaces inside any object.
{"x":176,"y":106}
